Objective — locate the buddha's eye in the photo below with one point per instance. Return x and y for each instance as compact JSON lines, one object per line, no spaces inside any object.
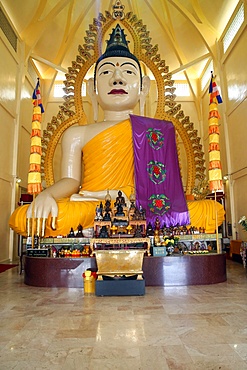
{"x":129,"y":72}
{"x":106,"y":72}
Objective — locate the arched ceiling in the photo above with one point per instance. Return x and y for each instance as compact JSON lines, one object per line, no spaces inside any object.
{"x":185,"y":30}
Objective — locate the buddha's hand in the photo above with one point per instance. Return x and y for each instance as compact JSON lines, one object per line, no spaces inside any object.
{"x":86,"y":195}
{"x":40,"y":209}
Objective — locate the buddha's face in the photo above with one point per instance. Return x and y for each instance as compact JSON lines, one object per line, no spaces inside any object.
{"x":118,"y":83}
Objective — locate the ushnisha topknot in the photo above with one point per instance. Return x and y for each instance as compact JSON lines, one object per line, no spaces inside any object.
{"x":117,"y":46}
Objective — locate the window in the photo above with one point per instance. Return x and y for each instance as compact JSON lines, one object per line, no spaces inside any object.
{"x":59,"y":92}
{"x":182,"y":89}
{"x":207,"y":75}
{"x":237,"y":22}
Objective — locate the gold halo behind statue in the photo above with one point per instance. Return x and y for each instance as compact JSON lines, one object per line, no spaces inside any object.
{"x":72,"y":112}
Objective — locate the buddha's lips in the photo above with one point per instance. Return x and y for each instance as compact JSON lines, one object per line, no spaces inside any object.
{"x":117,"y":91}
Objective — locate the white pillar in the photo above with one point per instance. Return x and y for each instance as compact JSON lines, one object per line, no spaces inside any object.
{"x":19,"y":84}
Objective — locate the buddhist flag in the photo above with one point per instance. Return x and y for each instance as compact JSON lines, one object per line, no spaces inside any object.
{"x":215,"y":173}
{"x":214,"y":91}
{"x":34,"y":175}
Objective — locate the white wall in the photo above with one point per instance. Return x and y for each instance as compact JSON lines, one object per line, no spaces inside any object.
{"x":231,"y":76}
{"x":15,"y":127}
{"x":8,"y":74}
{"x":235,"y":74}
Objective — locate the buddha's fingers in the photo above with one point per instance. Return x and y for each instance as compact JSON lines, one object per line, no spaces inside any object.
{"x":53,"y":223}
{"x":43,"y":227}
{"x":38,"y":227}
{"x":28,"y":227}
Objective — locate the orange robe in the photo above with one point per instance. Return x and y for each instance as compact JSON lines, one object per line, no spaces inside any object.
{"x":108,"y":163}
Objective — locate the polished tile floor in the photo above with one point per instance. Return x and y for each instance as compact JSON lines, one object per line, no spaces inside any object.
{"x":194,"y":327}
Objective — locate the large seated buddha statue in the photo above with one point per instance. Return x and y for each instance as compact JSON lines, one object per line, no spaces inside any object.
{"x":123,"y":152}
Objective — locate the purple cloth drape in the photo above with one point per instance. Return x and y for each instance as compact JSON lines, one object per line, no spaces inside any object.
{"x":158,"y":183}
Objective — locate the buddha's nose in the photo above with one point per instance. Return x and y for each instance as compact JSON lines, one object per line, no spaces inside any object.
{"x":118,"y":78}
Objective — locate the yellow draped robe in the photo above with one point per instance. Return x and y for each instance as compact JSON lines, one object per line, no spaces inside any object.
{"x":108,"y":162}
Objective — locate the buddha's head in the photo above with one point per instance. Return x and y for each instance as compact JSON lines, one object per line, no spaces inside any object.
{"x":118,"y":83}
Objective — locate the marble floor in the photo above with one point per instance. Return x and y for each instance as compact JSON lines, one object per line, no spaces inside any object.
{"x":194,"y":327}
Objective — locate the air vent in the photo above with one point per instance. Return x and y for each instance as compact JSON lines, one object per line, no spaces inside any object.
{"x":8,"y":30}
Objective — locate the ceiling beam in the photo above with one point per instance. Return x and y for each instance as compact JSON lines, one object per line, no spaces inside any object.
{"x":192,"y":63}
{"x":48,"y":63}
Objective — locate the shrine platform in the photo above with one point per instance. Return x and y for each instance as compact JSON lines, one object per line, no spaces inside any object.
{"x":174,"y":270}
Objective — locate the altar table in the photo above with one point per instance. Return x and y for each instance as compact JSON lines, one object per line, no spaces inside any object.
{"x":174,"y":270}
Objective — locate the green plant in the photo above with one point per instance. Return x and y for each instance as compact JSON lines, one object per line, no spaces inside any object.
{"x":243,"y":222}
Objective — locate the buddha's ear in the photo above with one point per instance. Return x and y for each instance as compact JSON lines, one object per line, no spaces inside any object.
{"x":93,"y":97}
{"x":144,"y":93}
